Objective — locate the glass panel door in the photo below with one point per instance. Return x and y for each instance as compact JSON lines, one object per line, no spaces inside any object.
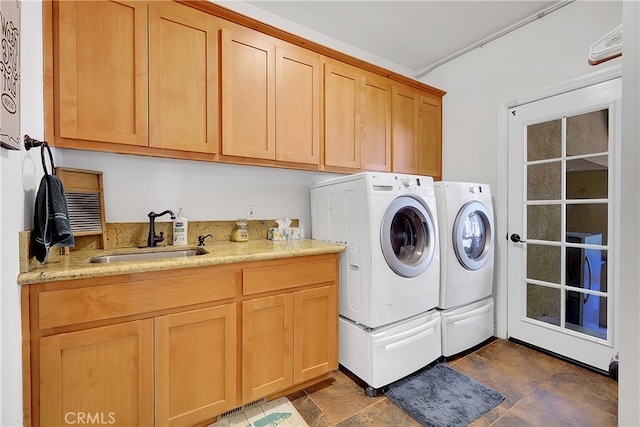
{"x":561,"y":198}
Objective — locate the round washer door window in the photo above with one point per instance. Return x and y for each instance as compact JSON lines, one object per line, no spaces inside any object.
{"x":472,"y":235}
{"x":407,"y":236}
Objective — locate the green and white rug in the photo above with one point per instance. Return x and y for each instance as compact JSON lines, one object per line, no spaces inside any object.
{"x":279,"y":412}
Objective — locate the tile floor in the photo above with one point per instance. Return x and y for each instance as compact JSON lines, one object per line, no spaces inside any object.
{"x":539,"y":390}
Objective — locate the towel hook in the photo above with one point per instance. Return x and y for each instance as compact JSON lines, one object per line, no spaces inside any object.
{"x":30,"y":143}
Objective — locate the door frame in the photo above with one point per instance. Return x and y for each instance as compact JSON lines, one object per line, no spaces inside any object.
{"x":502,"y":190}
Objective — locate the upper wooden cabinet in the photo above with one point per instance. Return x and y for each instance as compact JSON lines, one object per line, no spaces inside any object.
{"x":139,"y":74}
{"x":416,"y":132}
{"x":100,"y":69}
{"x":270,"y":98}
{"x":357,"y":110}
{"x":194,"y":80}
{"x":248,"y":93}
{"x":430,"y":139}
{"x":298,"y":77}
{"x":183,"y":78}
{"x":341,"y":115}
{"x":375,"y":122}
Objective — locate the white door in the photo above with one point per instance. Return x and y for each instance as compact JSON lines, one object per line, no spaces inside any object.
{"x":563,"y":153}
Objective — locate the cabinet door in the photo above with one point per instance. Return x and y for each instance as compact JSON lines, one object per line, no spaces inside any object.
{"x":404,"y":116}
{"x":430,"y":141}
{"x":341,"y":115}
{"x":315,"y":332}
{"x":101,"y":69}
{"x":375,"y":120}
{"x":248,"y":94}
{"x":267,"y":345}
{"x":98,"y":376}
{"x":297,"y":105}
{"x":183,"y":78}
{"x":195,"y":365}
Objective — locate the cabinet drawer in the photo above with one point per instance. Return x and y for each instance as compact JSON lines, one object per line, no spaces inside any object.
{"x":70,"y":306}
{"x":284,"y":276}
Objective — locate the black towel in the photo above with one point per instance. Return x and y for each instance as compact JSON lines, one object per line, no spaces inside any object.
{"x":51,"y":225}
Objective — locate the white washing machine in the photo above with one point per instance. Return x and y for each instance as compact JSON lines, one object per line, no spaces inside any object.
{"x":389,"y":273}
{"x":467,"y":236}
{"x":391,"y":268}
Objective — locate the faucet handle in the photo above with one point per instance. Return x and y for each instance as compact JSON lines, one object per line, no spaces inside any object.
{"x":201,"y":239}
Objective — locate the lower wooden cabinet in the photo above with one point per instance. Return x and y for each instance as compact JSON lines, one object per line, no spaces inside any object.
{"x":287,"y":339}
{"x":197,"y":343}
{"x":195,"y":365}
{"x":98,"y":376}
{"x":315,"y":337}
{"x":267,"y":345}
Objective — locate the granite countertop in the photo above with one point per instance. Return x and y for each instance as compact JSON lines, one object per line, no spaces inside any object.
{"x":77,"y":264}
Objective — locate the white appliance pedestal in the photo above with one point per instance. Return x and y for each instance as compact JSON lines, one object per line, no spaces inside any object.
{"x":383,"y":355}
{"x":466,"y":326}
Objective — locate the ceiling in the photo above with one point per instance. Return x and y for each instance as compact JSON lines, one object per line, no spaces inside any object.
{"x":414,"y":34}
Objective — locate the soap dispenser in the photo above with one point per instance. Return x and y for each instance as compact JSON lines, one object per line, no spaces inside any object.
{"x":180,"y":225}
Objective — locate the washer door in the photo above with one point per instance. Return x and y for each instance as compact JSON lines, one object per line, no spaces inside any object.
{"x":472,"y":235}
{"x":408,"y":236}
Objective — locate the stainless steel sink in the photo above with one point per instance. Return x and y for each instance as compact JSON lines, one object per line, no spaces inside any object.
{"x":142,"y":256}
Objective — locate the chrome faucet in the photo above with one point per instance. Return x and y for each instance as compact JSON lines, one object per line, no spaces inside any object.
{"x":153,"y":239}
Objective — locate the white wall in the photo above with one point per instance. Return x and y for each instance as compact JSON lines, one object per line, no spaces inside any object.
{"x":19,"y":176}
{"x":135,"y":185}
{"x":629,"y":387}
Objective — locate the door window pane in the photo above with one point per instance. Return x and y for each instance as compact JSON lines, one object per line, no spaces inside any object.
{"x":543,"y":304}
{"x":543,"y":222}
{"x":586,"y":314}
{"x":544,"y":181}
{"x":588,"y":178}
{"x":544,"y":140}
{"x":588,"y":133}
{"x":585,"y":268}
{"x":543,"y":263}
{"x":591,"y":218}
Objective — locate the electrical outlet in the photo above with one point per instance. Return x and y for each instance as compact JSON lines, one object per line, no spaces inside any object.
{"x":251,"y":212}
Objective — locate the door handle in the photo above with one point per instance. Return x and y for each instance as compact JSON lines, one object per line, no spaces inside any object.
{"x":515,"y":238}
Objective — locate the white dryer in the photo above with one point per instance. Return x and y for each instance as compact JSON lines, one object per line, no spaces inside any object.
{"x":391,"y":268}
{"x":467,"y":235}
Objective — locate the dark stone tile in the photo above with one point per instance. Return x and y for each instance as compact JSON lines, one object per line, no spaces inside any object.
{"x":585,"y":388}
{"x":542,"y":408}
{"x":309,"y":410}
{"x":383,"y":413}
{"x":511,"y":420}
{"x":492,"y":416}
{"x":340,"y":397}
{"x":509,"y":368}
